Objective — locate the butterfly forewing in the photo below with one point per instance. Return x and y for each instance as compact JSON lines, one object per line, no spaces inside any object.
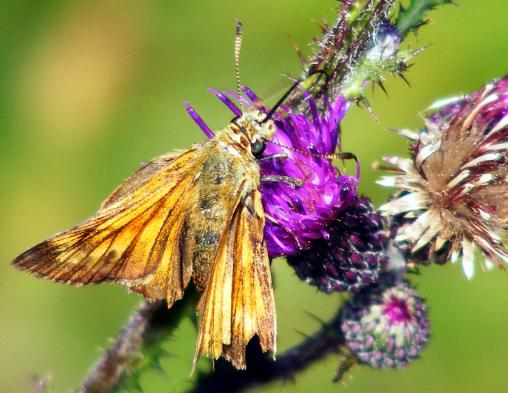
{"x":134,"y":239}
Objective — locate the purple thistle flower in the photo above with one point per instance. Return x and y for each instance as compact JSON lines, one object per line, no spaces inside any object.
{"x":454,"y":186}
{"x":301,"y":215}
{"x":386,"y":325}
{"x":352,"y":257}
{"x":298,"y":215}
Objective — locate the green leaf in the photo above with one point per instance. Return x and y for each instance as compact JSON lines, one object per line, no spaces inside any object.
{"x":414,"y":16}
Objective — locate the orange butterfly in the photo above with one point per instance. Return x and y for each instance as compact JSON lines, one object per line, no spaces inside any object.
{"x":195,"y":213}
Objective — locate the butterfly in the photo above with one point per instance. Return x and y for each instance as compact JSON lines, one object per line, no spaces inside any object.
{"x":193,"y":214}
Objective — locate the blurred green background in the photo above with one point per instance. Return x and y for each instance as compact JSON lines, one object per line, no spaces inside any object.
{"x":88,"y":90}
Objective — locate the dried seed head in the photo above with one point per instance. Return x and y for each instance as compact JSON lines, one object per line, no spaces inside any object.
{"x":453,"y":189}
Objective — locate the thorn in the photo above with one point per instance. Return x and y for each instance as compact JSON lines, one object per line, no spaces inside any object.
{"x":315,"y":317}
{"x":379,"y":166}
{"x":290,"y":78}
{"x":302,"y":334}
{"x":420,"y":25}
{"x":346,"y":362}
{"x":320,"y":25}
{"x":135,"y":386}
{"x":382,"y":86}
{"x":403,"y":77}
{"x":363,"y":101}
{"x":323,"y":25}
{"x":301,"y":57}
{"x":156,"y":365}
{"x":164,"y":354}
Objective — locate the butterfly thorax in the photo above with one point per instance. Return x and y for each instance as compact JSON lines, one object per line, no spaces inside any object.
{"x":228,"y":177}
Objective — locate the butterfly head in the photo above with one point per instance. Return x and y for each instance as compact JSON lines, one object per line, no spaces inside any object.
{"x":256,"y":128}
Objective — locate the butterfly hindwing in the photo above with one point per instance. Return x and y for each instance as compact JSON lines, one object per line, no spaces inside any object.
{"x":136,"y":238}
{"x":238,"y":302}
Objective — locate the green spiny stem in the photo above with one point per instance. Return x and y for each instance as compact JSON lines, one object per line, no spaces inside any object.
{"x":138,"y":344}
{"x":342,"y":49}
{"x":343,"y":63}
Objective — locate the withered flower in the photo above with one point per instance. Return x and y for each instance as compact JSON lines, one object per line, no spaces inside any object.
{"x":454,"y":187}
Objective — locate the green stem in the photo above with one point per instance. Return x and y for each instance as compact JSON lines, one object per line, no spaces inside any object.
{"x":341,"y":50}
{"x":138,"y":341}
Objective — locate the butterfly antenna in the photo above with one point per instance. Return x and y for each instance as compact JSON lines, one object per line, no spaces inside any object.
{"x":286,"y":95}
{"x":238,"y":47}
{"x":281,"y":101}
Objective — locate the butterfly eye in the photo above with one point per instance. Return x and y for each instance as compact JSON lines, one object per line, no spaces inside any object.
{"x":257,"y":148}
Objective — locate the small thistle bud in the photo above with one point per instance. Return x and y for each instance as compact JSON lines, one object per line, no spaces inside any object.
{"x":385,"y":43}
{"x":386,"y":325}
{"x":453,"y":189}
{"x":351,"y":256}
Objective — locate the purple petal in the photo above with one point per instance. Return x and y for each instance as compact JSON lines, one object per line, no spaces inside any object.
{"x":199,"y":121}
{"x":226,"y":101}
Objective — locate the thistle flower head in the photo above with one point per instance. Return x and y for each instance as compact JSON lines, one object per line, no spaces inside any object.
{"x":385,"y":325}
{"x":300,"y":150}
{"x":351,"y":257}
{"x":299,"y":215}
{"x":453,"y":189}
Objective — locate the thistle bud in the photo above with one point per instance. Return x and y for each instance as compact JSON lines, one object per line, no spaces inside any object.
{"x":386,"y":325}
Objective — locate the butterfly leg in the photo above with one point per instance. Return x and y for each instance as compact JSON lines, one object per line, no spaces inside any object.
{"x":350,"y":156}
{"x":276,"y":222}
{"x":273,"y":156}
{"x":283,"y":179}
